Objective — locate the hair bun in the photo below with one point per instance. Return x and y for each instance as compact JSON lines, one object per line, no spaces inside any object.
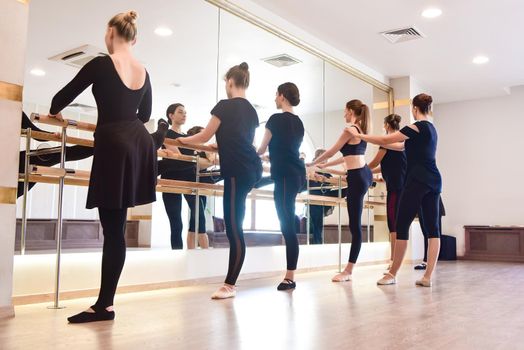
{"x":397,"y":118}
{"x":243,"y":66}
{"x":131,"y":16}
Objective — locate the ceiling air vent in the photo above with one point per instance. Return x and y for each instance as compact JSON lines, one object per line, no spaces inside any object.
{"x":78,"y":57}
{"x":283,"y":60}
{"x":403,"y":34}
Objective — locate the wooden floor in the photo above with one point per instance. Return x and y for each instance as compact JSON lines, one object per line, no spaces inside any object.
{"x":473,"y":305}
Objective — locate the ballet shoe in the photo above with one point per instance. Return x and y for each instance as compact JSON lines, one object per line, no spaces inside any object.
{"x":100,"y":314}
{"x":341,"y":277}
{"x":423,"y":282}
{"x":384,"y":281}
{"x":421,"y":266}
{"x":287,"y":284}
{"x":224,"y":292}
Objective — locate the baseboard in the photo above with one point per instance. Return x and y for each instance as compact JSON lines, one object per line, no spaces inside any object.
{"x":49,"y":297}
{"x":7,"y":312}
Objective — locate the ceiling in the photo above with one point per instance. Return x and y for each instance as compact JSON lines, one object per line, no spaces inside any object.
{"x":441,"y":62}
{"x":187,"y":58}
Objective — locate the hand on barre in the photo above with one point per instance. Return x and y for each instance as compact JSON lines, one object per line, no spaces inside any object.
{"x":57,"y":116}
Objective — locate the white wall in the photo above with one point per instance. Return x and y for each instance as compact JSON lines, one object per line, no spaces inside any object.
{"x":479,"y":156}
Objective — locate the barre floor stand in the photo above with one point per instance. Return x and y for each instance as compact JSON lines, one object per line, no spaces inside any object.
{"x":56,"y":304}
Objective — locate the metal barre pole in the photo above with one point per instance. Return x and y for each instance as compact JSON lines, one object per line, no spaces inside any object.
{"x":59,"y":222}
{"x":339,"y":225}
{"x":197,"y":202}
{"x":23,"y":228}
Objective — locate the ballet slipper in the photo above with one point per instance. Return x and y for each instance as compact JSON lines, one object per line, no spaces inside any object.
{"x":384,"y":281}
{"x":423,"y":282}
{"x":99,"y":314}
{"x":224,"y":292}
{"x":342,"y":277}
{"x":287,"y":284}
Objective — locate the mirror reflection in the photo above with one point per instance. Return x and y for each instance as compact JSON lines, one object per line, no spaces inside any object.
{"x":187,"y":75}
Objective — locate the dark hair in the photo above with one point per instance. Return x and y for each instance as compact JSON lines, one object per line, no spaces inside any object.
{"x":393,"y":120}
{"x":125,"y":25}
{"x":194,"y":130}
{"x":361,"y":111}
{"x":290,"y":93}
{"x":172,"y":109}
{"x":239,"y":74}
{"x":423,"y":103}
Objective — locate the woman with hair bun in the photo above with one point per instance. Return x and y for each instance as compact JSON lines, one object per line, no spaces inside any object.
{"x":422,"y":188}
{"x":391,"y":161}
{"x":359,"y":177}
{"x":234,"y":122}
{"x":124,"y":167}
{"x":284,"y":135}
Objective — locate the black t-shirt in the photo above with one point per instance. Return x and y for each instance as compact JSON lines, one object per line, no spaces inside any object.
{"x":393,"y":167}
{"x":421,"y":148}
{"x":287,"y":133}
{"x":178,"y":169}
{"x":235,"y":135}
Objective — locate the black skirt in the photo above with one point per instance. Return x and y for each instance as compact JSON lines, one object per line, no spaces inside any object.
{"x":124,"y":170}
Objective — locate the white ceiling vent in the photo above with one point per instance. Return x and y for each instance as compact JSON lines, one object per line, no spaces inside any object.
{"x":78,"y":57}
{"x":283,"y":60}
{"x":403,"y":34}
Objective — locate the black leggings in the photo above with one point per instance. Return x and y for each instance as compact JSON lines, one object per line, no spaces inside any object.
{"x":423,"y":227}
{"x":173,"y":205}
{"x":236,"y":190}
{"x":316,"y":223}
{"x":114,"y":253}
{"x":392,"y":202}
{"x":418,"y":196}
{"x":285,"y":194}
{"x":359,"y":181}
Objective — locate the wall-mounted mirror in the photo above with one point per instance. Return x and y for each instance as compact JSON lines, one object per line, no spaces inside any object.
{"x":188,"y":67}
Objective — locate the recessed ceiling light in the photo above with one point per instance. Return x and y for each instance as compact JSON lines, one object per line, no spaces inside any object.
{"x":163,"y":31}
{"x":176,"y":85}
{"x":431,"y":13}
{"x":481,"y":60}
{"x":38,"y":72}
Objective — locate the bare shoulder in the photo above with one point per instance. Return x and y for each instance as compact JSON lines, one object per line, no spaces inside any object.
{"x":414,"y":127}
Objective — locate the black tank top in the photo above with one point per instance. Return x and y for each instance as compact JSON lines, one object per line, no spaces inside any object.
{"x":354,"y":150}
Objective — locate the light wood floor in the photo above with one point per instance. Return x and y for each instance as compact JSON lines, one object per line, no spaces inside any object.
{"x":473,"y":305}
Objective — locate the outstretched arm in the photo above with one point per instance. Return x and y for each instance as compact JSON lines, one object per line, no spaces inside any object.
{"x":383,"y":139}
{"x":343,"y":139}
{"x":203,"y":136}
{"x":397,"y":146}
{"x":75,"y":87}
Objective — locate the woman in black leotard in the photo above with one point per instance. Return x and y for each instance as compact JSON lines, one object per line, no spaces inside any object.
{"x":123,"y":173}
{"x":234,"y":122}
{"x":284,"y":134}
{"x":392,"y":163}
{"x":422,"y":188}
{"x":359,"y":176}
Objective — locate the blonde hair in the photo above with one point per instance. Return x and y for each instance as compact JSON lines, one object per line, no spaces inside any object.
{"x":125,"y":25}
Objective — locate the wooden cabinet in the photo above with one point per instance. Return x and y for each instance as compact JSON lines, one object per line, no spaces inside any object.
{"x":495,"y":243}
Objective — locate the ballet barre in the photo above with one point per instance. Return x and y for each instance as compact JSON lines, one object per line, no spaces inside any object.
{"x":64,"y":123}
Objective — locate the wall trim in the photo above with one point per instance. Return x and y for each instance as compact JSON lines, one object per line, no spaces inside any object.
{"x":11,"y":92}
{"x":8,"y":195}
